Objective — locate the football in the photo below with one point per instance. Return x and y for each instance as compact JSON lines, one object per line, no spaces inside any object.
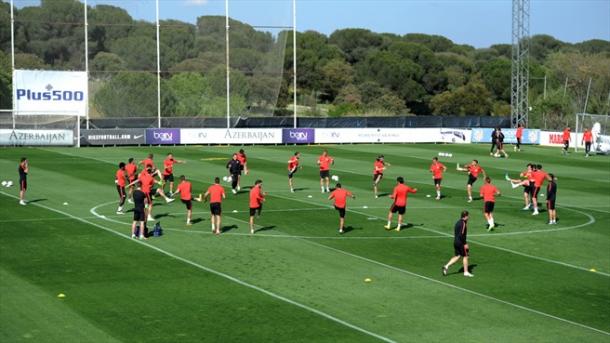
{"x":4,"y":183}
{"x":334,"y":178}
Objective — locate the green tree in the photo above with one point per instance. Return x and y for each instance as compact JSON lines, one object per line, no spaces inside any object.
{"x":336,"y":74}
{"x":105,"y":64}
{"x":355,"y":43}
{"x":470,"y":99}
{"x":497,"y":77}
{"x":6,"y":82}
{"x":191,"y":92}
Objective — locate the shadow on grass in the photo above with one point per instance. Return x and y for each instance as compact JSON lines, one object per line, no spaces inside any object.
{"x":228,"y":228}
{"x":265,"y":228}
{"x":37,"y":200}
{"x":470,"y":269}
{"x":197,"y":220}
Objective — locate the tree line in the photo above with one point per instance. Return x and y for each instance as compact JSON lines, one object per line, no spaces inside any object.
{"x":350,"y":72}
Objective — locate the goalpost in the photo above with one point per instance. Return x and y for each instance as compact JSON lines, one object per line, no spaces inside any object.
{"x":599,"y":125}
{"x":39,"y":128}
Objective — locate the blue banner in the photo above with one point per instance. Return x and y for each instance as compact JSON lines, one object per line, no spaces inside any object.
{"x":298,"y":136}
{"x":530,"y":136}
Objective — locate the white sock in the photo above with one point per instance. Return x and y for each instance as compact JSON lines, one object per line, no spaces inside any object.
{"x":492,"y":222}
{"x":438,"y":194}
{"x":489,"y":221}
{"x":322,"y":188}
{"x":213,"y":227}
{"x":389,"y":222}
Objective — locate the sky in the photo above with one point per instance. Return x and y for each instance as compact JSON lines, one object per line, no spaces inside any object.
{"x":479,"y":23}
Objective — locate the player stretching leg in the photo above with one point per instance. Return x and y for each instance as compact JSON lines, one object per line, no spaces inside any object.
{"x":185,"y":188}
{"x":378,"y":168}
{"x":551,"y":195}
{"x":437,"y":170}
{"x":473,"y":169}
{"x":325,"y":162}
{"x":293,"y":166}
{"x":119,"y":180}
{"x":539,"y":176}
{"x":460,"y":246}
{"x":216,"y":193}
{"x":257,"y":197}
{"x":489,"y":192}
{"x":400,"y":194}
{"x":168,"y":171}
{"x":340,"y":195}
{"x":24,"y":169}
{"x":527,"y":182}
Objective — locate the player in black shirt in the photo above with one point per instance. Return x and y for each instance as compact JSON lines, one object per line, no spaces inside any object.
{"x":493,"y":143}
{"x":23,"y":169}
{"x":139,"y":213}
{"x":551,"y":194}
{"x":460,"y":245}
{"x":235,"y":169}
{"x":500,"y":143}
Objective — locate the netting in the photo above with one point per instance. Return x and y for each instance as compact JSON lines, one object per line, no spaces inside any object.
{"x":39,"y":128}
{"x":599,"y":125}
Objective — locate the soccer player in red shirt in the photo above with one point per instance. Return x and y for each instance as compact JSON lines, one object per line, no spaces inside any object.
{"x":378,"y":168}
{"x":147,"y":182}
{"x":293,"y":166}
{"x":216,"y":193}
{"x":149,"y":163}
{"x":527,"y":181}
{"x":400,"y":194}
{"x":241,"y":156}
{"x":437,"y":170}
{"x":473,"y":169}
{"x":168,"y":171}
{"x":519,"y":135}
{"x":340,"y":195}
{"x":539,"y":176}
{"x":489,"y":192}
{"x":185,"y":189}
{"x":566,"y":139}
{"x":325,"y":161}
{"x":132,"y":174}
{"x":257,"y":197}
{"x":587,"y":140}
{"x":23,"y":169}
{"x":119,"y":180}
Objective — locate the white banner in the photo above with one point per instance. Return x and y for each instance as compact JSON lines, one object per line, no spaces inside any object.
{"x":36,"y":137}
{"x":554,"y":138}
{"x":393,"y":135}
{"x":230,"y":136}
{"x":50,"y":92}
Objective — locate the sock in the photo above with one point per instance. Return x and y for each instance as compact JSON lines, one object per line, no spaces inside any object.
{"x":322,"y":188}
{"x":213,"y":227}
{"x":491,"y":222}
{"x":438,"y":194}
{"x":389,"y":223}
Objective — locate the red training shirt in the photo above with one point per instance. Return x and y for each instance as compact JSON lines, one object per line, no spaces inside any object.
{"x":587,"y":137}
{"x":488,"y":192}
{"x":519,"y":132}
{"x":340,"y":195}
{"x":120,"y":177}
{"x":325,"y":162}
{"x":216,"y":192}
{"x":400,"y":194}
{"x":131,"y":169}
{"x":256,"y":197}
{"x":146,"y":182}
{"x":566,"y":135}
{"x":539,"y":176}
{"x":475,"y":170}
{"x":168,"y":165}
{"x":148,"y":162}
{"x":185,"y":188}
{"x":293,"y":163}
{"x":378,"y":167}
{"x":241,"y":158}
{"x":437,"y":170}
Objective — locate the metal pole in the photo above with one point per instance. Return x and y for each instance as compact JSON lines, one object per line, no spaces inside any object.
{"x":587,"y":98}
{"x":158,"y":71}
{"x":544,"y":94}
{"x":86,"y":68}
{"x":294,"y":61}
{"x":565,"y":87}
{"x":228,"y":72}
{"x":13,"y":58}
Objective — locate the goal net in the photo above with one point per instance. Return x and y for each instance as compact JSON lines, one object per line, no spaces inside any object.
{"x":599,"y":125}
{"x":46,"y":128}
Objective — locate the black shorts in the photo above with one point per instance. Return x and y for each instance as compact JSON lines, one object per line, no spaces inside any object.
{"x":254,"y":210}
{"x":536,"y":191}
{"x":489,"y":206}
{"x":437,"y":181}
{"x":241,"y":167}
{"x":324,"y":174}
{"x":169,"y":177}
{"x":500,"y":145}
{"x":471,"y":179}
{"x":291,"y":174}
{"x":139,"y":214}
{"x":215,"y":208}
{"x":23,"y":184}
{"x":341,"y":211}
{"x":550,"y":204}
{"x":121,"y":191}
{"x":566,"y":144}
{"x":460,"y":249}
{"x":399,"y":209}
{"x":188,"y":203}
{"x":377,"y":176}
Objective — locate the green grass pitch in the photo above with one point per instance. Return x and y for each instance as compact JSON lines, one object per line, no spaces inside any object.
{"x":297,"y":279}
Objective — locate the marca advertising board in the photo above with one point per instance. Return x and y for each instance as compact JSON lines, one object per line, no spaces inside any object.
{"x":552,"y":138}
{"x":298,"y":136}
{"x":113,"y":137}
{"x":50,"y":92}
{"x":530,"y":136}
{"x":162,"y":136}
{"x":392,"y":135}
{"x":36,"y":137}
{"x":231,"y":136}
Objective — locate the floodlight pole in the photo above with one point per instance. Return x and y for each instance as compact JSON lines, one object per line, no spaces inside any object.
{"x":294,"y":62}
{"x":519,"y":101}
{"x":13,"y":58}
{"x":86,"y":68}
{"x":227,"y":62}
{"x":584,"y":110}
{"x":158,"y":70}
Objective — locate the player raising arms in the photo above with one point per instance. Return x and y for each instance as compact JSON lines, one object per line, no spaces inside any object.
{"x":257,"y":197}
{"x":293,"y":166}
{"x":168,"y":171}
{"x":473,"y":169}
{"x":340,"y":195}
{"x":185,"y":189}
{"x":488,"y":191}
{"x":437,"y":170}
{"x":400,"y":194}
{"x":132,"y":174}
{"x":539,"y":176}
{"x":241,"y":156}
{"x":378,"y":168}
{"x":235,"y":168}
{"x":119,"y":180}
{"x":460,"y":246}
{"x":551,"y":195}
{"x":325,"y":161}
{"x":23,"y":169}
{"x":566,"y":136}
{"x":216,"y":193}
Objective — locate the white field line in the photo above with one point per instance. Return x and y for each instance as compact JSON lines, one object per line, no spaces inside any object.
{"x":213,"y":271}
{"x":484,"y":244}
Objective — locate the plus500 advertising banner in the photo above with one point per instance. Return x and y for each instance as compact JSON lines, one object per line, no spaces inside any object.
{"x":484,"y":136}
{"x":162,"y":136}
{"x":50,"y":92}
{"x":298,"y":136}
